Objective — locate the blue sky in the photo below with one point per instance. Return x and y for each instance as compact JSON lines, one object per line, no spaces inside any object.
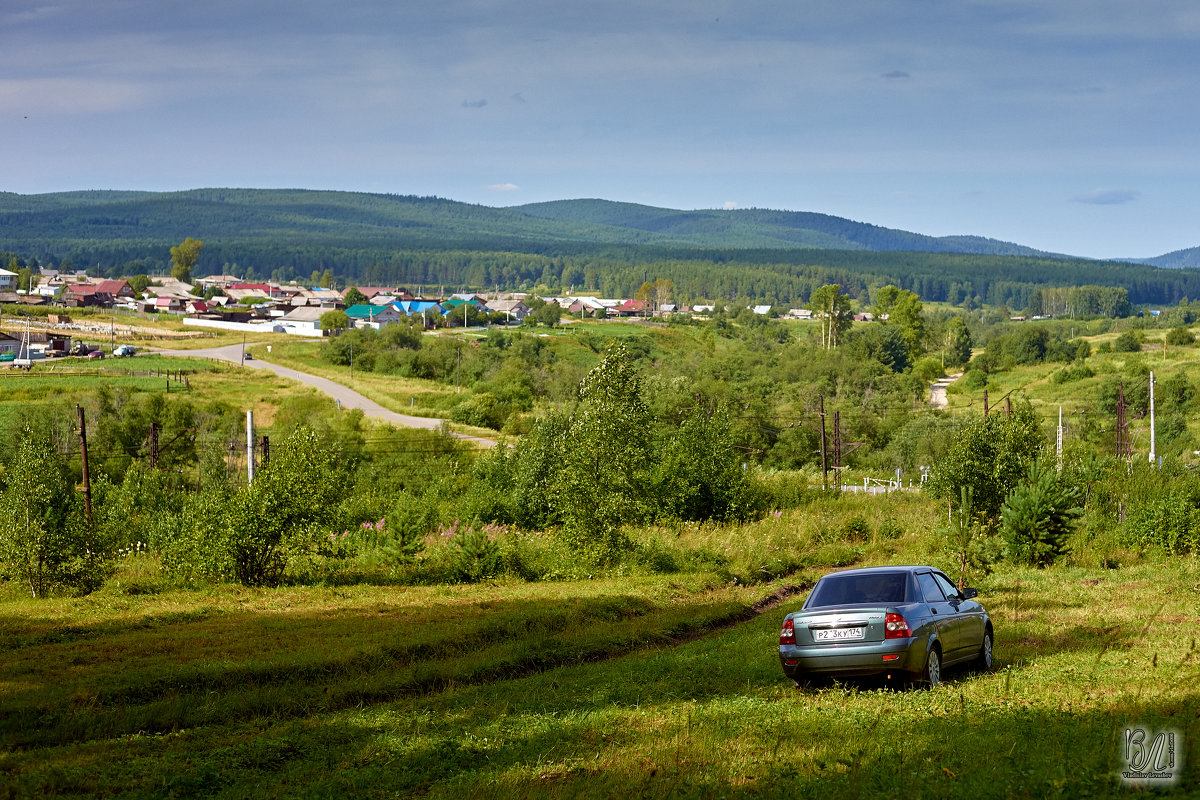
{"x":1070,"y":126}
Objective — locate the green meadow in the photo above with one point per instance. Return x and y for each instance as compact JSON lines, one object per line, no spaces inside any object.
{"x":648,"y":683}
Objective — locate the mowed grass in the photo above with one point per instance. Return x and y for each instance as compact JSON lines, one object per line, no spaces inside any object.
{"x":649,"y":686}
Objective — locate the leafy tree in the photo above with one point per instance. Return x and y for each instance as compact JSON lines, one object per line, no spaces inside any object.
{"x":139,"y":284}
{"x":902,"y":308}
{"x":699,"y":475}
{"x":354,"y":297}
{"x":26,"y":280}
{"x":990,"y":456}
{"x":883,"y":343}
{"x":284,"y":513}
{"x":656,"y":293}
{"x":957,"y":345}
{"x":183,"y":258}
{"x":604,"y":473}
{"x":547,"y":314}
{"x":833,"y":309}
{"x":335,"y":320}
{"x":1038,"y":516}
{"x":44,"y":542}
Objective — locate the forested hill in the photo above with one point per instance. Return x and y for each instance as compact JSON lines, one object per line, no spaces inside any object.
{"x":1178,"y":259}
{"x":763,"y":228}
{"x":584,"y":246}
{"x":93,"y":222}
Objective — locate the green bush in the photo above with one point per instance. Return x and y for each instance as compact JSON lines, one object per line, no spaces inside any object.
{"x":45,"y":543}
{"x":1169,"y":521}
{"x":1180,"y":336}
{"x":1038,"y":515}
{"x":1077,"y":371}
{"x":284,"y":513}
{"x":1128,"y":342}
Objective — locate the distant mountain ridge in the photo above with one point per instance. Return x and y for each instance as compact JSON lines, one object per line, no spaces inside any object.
{"x":1177,"y":259}
{"x":404,"y":221}
{"x":766,"y":228}
{"x":92,"y":224}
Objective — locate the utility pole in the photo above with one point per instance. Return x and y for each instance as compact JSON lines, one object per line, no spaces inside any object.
{"x":824,"y":463}
{"x":243,"y":361}
{"x":1122,"y":425}
{"x":1060,"y":433}
{"x":87,"y":482}
{"x":249,"y":447}
{"x":264,"y":446}
{"x":153,"y":445}
{"x":837,"y":449}
{"x":985,"y":403}
{"x":1152,"y":459}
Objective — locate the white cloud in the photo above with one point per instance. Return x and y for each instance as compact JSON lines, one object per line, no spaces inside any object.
{"x":504,"y":187}
{"x":1107,"y":197}
{"x":729,"y":205}
{"x":68,"y":96}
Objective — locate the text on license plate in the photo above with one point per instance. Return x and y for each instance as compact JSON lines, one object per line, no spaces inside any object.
{"x":837,"y":634}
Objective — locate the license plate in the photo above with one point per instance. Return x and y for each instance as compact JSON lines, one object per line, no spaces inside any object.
{"x":837,"y":634}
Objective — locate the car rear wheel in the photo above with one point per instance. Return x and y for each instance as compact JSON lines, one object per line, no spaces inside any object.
{"x":984,"y":661}
{"x":933,"y":668}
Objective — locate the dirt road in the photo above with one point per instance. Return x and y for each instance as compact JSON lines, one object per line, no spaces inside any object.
{"x":937,"y":391}
{"x":346,"y":397}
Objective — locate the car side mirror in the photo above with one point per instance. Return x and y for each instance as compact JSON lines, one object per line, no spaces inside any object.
{"x":968,"y":593}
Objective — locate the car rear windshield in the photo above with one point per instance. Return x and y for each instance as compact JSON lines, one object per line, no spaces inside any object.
{"x":875,"y":587}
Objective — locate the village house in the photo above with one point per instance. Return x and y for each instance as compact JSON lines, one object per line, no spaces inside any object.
{"x":512,"y":309}
{"x":366,"y":315}
{"x":85,"y":295}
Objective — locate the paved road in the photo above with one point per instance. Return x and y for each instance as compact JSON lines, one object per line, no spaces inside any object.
{"x":348,"y":398}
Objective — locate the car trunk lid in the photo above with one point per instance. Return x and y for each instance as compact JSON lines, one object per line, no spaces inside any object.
{"x":840,"y":626}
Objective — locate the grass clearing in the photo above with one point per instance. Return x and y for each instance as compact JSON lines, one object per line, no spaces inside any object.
{"x":587,"y":688}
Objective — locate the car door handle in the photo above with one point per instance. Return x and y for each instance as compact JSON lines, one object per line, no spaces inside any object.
{"x":934,"y":610}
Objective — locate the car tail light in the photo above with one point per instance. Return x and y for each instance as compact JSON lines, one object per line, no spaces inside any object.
{"x":788,"y":634}
{"x":895,"y":627}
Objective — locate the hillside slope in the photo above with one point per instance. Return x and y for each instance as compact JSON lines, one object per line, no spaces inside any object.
{"x":764,"y":228}
{"x":60,"y":222}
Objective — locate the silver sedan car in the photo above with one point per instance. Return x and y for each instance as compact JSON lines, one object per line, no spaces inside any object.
{"x":902,"y":622}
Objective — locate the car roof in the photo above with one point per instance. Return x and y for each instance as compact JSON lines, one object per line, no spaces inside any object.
{"x":880,"y":570}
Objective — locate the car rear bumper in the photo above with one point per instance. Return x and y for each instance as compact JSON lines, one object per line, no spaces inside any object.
{"x":867,"y":658}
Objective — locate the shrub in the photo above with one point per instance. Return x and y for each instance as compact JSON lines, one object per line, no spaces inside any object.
{"x":1038,"y":516}
{"x":856,"y":529}
{"x":990,"y":455}
{"x":1077,"y":371}
{"x":1180,"y":336}
{"x":1168,"y":521}
{"x":283,"y":514}
{"x":44,"y":541}
{"x":1128,"y":342}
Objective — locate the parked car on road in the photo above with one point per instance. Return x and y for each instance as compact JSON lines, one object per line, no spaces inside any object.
{"x":125,"y":350}
{"x":903,"y":622}
{"x":96,"y":354}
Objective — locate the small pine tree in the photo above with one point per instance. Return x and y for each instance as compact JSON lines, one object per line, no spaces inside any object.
{"x":1038,"y":516}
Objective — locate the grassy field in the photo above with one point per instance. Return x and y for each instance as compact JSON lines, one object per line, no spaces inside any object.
{"x":649,"y":685}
